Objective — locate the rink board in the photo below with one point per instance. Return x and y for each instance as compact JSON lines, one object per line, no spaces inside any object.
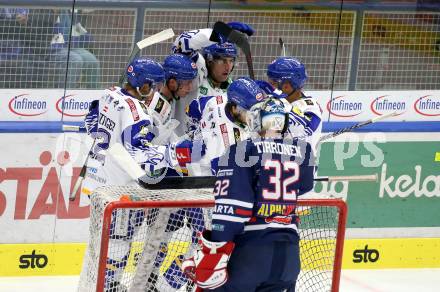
{"x":66,"y":258}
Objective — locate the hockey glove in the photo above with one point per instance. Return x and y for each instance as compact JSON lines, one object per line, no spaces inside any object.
{"x":242,"y":27}
{"x":269,"y":89}
{"x":208,"y":267}
{"x":91,"y":119}
{"x":190,"y":151}
{"x":265,"y":86}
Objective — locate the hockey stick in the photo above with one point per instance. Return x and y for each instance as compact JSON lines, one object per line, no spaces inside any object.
{"x":283,"y":46}
{"x":151,"y":40}
{"x":367,"y":177}
{"x":238,"y":38}
{"x":357,"y":126}
{"x":82,"y":173}
{"x":126,"y":162}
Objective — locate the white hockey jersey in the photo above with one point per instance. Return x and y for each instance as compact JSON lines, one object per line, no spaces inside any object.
{"x":119,"y":118}
{"x":162,"y":113}
{"x":305,"y":120}
{"x":191,"y":43}
{"x":215,"y":127}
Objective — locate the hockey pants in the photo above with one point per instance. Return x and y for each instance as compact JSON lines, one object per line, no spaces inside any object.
{"x":264,"y":267}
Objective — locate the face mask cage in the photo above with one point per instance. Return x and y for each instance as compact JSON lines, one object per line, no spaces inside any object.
{"x":253,"y":117}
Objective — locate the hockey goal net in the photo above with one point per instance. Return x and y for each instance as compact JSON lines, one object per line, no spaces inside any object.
{"x":138,"y":239}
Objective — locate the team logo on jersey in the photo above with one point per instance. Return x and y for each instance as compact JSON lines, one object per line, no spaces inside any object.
{"x":183,"y":155}
{"x":308,"y":101}
{"x":237,"y":135}
{"x":259,"y":97}
{"x":203,"y":90}
{"x":224,"y":130}
{"x":159,"y":105}
{"x":130,"y":69}
{"x":286,"y":220}
{"x":219,"y":99}
{"x":144,"y":108}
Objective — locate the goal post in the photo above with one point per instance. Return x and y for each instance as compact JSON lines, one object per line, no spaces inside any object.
{"x":329,"y":235}
{"x":148,"y":255}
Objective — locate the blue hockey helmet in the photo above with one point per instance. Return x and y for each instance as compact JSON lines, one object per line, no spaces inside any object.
{"x":179,"y":67}
{"x":144,"y":70}
{"x":245,"y":93}
{"x":288,"y":69}
{"x":224,"y":50}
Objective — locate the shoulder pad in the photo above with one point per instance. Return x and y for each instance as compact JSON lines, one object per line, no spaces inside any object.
{"x":159,"y":107}
{"x":203,"y":101}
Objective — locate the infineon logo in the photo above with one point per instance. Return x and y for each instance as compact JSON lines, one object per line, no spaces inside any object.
{"x":427,"y":106}
{"x":27,"y":106}
{"x":72,"y":107}
{"x":340,"y":106}
{"x":383,"y":105}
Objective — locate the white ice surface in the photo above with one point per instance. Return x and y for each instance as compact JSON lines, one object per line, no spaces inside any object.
{"x":399,"y":280}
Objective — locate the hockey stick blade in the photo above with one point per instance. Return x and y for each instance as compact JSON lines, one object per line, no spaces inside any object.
{"x":125,"y":161}
{"x":82,"y":174}
{"x":238,"y":38}
{"x":155,"y":38}
{"x":357,"y":126}
{"x":151,"y":40}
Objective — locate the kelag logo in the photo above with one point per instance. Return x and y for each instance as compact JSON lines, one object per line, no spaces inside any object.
{"x":341,"y":107}
{"x":26,"y":106}
{"x":383,"y":105}
{"x":33,"y":261}
{"x":365,"y":255}
{"x":427,"y":106}
{"x":71,"y":106}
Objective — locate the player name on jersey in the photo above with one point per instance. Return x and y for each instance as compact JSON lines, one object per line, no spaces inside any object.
{"x":277,"y":148}
{"x":106,"y":122}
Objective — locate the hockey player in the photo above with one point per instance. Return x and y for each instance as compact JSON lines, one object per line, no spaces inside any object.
{"x":254,"y":241}
{"x":213,"y":120}
{"x":119,"y":116}
{"x":180,"y":79}
{"x":215,"y":63}
{"x":289,"y":75}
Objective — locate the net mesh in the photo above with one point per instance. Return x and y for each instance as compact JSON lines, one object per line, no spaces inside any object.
{"x":147,"y":245}
{"x":361,"y":50}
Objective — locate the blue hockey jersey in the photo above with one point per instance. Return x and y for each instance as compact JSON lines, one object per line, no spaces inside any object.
{"x":256,"y":192}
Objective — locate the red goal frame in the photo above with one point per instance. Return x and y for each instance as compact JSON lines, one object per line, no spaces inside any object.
{"x":105,"y":237}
